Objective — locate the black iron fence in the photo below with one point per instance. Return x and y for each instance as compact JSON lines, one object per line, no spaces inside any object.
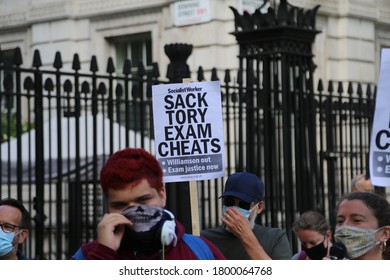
{"x":74,"y":121}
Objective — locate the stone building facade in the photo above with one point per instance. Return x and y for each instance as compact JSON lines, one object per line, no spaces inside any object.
{"x":347,"y":49}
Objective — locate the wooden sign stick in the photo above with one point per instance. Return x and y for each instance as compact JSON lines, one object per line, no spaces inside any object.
{"x":194,"y":197}
{"x":194,"y":207}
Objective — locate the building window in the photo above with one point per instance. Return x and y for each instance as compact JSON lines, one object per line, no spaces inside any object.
{"x":7,"y":101}
{"x":137,"y":48}
{"x":7,"y":58}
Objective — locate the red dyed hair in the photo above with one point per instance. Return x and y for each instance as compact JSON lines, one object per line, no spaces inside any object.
{"x":130,"y":166}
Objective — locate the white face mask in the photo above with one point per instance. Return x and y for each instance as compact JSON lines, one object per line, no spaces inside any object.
{"x":358,"y":241}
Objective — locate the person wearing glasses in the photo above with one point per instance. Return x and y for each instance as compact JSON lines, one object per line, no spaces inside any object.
{"x":240,"y":237}
{"x":14,"y":227}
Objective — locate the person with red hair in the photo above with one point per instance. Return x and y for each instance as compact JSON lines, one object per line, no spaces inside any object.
{"x":137,"y":225}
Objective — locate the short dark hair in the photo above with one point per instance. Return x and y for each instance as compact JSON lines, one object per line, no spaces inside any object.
{"x":379,"y":206}
{"x":26,"y":219}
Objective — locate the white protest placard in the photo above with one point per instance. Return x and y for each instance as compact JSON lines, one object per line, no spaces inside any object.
{"x":188,"y":131}
{"x":380,"y":137}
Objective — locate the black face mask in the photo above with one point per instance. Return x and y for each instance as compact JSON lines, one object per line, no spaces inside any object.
{"x":145,"y":241}
{"x":317,"y":252}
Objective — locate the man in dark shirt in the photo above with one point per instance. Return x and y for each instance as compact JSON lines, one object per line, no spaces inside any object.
{"x":239,"y":238}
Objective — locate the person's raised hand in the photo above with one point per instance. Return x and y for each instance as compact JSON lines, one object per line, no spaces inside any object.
{"x":111,"y":228}
{"x":236,"y":222}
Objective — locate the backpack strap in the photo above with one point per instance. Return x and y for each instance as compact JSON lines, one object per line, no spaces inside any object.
{"x":198,"y":246}
{"x":79,"y":255}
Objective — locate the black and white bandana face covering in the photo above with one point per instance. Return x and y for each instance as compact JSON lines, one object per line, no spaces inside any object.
{"x":144,"y":218}
{"x":147,"y":231}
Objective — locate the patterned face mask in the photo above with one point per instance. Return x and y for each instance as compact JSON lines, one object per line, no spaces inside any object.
{"x":358,"y":241}
{"x":144,"y":217}
{"x":152,"y":228}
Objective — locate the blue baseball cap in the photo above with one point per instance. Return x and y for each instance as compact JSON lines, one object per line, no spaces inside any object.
{"x":245,"y":186}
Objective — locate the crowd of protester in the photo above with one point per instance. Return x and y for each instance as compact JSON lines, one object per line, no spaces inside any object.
{"x":137,"y":225}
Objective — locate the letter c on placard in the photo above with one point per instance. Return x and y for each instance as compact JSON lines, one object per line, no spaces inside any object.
{"x":163,"y":149}
{"x":380,"y":139}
